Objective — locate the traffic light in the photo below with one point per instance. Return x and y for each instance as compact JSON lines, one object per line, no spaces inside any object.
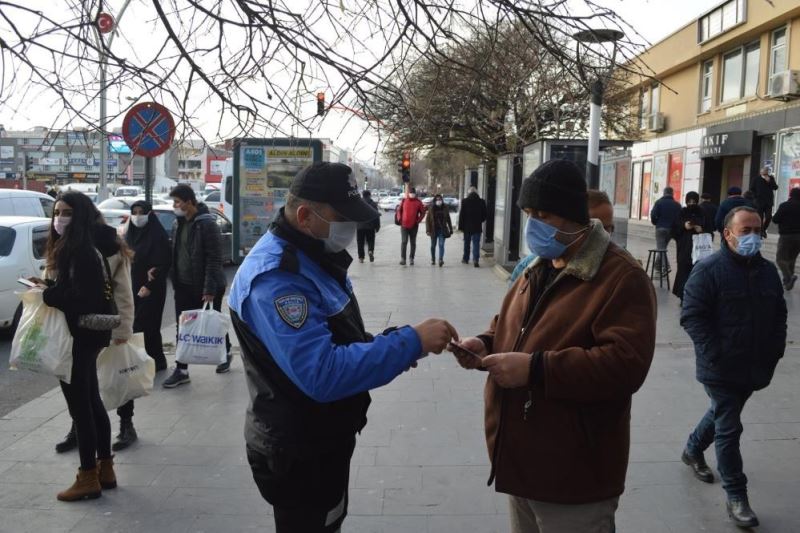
{"x":28,"y":163}
{"x":405,"y":167}
{"x":320,"y":104}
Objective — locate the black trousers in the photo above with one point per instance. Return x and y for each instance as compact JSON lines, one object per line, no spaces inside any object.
{"x":766,"y":217}
{"x":186,"y":297}
{"x":408,"y":235}
{"x":362,"y":236}
{"x":307,"y":496}
{"x":92,"y":426}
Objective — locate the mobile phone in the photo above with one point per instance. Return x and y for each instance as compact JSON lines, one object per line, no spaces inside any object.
{"x":458,"y":347}
{"x":27,"y":282}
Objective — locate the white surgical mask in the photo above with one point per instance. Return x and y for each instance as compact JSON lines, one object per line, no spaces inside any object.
{"x":179,"y":212}
{"x":139,"y":220}
{"x":340,"y":234}
{"x":438,"y":202}
{"x":412,"y":195}
{"x":61,"y":223}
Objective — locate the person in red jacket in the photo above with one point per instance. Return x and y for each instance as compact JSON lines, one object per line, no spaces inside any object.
{"x":411,"y":212}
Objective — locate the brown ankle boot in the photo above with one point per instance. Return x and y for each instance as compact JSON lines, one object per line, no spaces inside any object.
{"x":105,"y":473}
{"x":86,"y":487}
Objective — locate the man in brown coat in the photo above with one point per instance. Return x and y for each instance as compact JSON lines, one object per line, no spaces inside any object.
{"x":572,"y":342}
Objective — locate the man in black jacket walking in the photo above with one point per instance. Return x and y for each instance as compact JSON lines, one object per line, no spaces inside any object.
{"x":365,"y":234}
{"x":764,"y":188}
{"x":471,"y":217}
{"x":787,"y":217}
{"x":735,"y":313}
{"x":197,"y":275}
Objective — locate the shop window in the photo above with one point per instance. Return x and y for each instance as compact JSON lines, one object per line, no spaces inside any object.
{"x":777,"y":51}
{"x":740,"y":72}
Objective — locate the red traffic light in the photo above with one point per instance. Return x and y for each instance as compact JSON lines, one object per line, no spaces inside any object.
{"x":406,"y":161}
{"x":320,"y":104}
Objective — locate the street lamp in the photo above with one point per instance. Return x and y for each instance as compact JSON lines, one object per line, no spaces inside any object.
{"x":596,"y":37}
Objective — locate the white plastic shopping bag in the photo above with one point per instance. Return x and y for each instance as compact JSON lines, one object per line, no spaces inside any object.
{"x":125,"y":372}
{"x":702,"y":246}
{"x":42,"y":342}
{"x":201,"y":337}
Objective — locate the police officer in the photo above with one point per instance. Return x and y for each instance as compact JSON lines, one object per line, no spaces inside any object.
{"x":309,"y":362}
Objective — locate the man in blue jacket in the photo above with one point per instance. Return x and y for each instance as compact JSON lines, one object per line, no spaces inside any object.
{"x":734,"y":311}
{"x":663,"y":215}
{"x":308,"y":360}
{"x":734,"y":200}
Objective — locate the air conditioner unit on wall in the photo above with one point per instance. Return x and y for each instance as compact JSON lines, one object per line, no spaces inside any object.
{"x":655,"y":122}
{"x":785,"y":85}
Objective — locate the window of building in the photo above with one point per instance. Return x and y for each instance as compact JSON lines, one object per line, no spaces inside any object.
{"x":655,"y":98}
{"x":740,"y":72}
{"x":721,"y":19}
{"x":777,"y":52}
{"x":644,"y":107}
{"x":706,"y":86}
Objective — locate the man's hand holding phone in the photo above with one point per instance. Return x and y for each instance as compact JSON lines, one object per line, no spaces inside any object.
{"x":469,"y":352}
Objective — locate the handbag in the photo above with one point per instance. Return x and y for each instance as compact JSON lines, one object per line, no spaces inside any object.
{"x":702,"y":246}
{"x":103,"y":321}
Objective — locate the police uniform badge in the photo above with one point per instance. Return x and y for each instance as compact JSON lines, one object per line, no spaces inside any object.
{"x":293,"y":309}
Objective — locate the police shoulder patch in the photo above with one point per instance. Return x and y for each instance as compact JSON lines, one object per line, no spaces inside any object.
{"x":293,"y":309}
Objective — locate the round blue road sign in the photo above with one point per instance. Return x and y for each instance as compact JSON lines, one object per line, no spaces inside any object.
{"x":148,"y":129}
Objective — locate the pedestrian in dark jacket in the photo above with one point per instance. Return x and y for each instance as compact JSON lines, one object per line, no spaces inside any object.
{"x":735,"y":313}
{"x":689,"y":223}
{"x":764,"y":187}
{"x":734,"y":200}
{"x":471,"y":216}
{"x":197,"y":275}
{"x":438,"y":226}
{"x":709,"y":213}
{"x":411,"y":212}
{"x":663,"y":215}
{"x":787,"y":217}
{"x":366,"y":231}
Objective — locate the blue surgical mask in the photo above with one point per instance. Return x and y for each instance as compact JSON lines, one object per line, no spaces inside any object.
{"x":748,"y":245}
{"x":541,"y":239}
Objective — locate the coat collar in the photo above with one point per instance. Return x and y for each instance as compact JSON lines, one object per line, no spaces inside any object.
{"x":586,"y":262}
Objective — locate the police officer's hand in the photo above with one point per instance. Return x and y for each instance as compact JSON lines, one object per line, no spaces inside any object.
{"x":434,"y":334}
{"x":510,"y":370}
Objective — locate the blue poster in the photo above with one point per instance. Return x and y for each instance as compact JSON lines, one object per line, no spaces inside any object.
{"x":253,"y":158}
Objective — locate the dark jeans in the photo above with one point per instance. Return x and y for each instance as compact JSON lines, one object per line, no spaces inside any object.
{"x":475,"y":240}
{"x":187,"y":298}
{"x":766,"y":218}
{"x":663,"y":236}
{"x":439,"y":238}
{"x":362,"y":236}
{"x":722,"y":425}
{"x":408,"y":235}
{"x":788,"y":249}
{"x":307,"y":496}
{"x":92,"y":426}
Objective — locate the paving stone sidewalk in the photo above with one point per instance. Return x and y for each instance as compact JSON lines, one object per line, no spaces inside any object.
{"x":420,"y":465}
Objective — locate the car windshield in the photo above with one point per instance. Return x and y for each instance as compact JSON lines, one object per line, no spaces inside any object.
{"x":7,"y":238}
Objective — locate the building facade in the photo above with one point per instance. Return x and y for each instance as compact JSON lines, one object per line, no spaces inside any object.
{"x":723,"y":101}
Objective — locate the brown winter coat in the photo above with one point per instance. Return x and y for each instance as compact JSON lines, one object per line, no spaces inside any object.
{"x":595,"y":328}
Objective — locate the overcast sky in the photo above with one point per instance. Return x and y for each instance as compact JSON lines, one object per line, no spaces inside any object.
{"x":653,"y":19}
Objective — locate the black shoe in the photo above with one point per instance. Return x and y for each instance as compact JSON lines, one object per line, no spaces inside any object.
{"x":477,"y":265}
{"x":433,"y":262}
{"x":411,"y":262}
{"x":360,"y":259}
{"x":464,"y":262}
{"x":371,"y":257}
{"x":789,"y":285}
{"x":178,"y":377}
{"x":127,"y":435}
{"x":161,"y":363}
{"x":740,"y":512}
{"x":441,"y":262}
{"x":699,"y":467}
{"x":70,"y":442}
{"x":402,"y":262}
{"x":225,"y":367}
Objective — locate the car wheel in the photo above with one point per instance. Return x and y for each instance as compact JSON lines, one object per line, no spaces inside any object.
{"x":15,"y":322}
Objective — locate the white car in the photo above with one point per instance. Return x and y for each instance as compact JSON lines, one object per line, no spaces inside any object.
{"x":389,"y":203}
{"x":22,"y":246}
{"x":128,"y":190}
{"x":15,"y":202}
{"x":125,"y":202}
{"x":116,"y":218}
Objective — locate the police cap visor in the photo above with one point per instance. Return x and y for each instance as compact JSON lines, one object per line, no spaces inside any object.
{"x":335,"y":185}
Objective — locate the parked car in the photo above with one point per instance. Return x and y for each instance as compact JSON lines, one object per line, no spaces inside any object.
{"x":212,"y":197}
{"x":116,"y":218}
{"x":451,"y":203}
{"x":389,"y":203}
{"x":129,"y":190}
{"x":93,"y":196}
{"x":127,"y":201}
{"x":14,"y":202}
{"x":22,"y":246}
{"x":167,"y":217}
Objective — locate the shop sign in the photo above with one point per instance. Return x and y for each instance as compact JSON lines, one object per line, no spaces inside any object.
{"x":724,"y":144}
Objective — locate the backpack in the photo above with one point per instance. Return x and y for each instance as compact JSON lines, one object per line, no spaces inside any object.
{"x":398,"y":214}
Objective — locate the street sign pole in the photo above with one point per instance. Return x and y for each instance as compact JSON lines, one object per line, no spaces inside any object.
{"x":148,"y":180}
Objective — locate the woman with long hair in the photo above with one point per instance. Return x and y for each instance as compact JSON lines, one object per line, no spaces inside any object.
{"x":438,"y":226}
{"x":78,"y":283}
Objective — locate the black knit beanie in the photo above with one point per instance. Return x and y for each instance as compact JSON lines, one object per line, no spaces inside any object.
{"x":557,"y":187}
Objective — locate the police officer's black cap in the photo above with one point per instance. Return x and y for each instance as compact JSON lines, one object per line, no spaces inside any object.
{"x":335,"y":185}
